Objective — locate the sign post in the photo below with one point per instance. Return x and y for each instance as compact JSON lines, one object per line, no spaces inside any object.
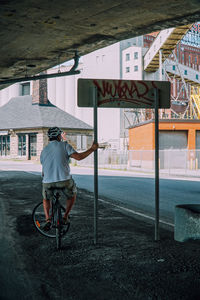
{"x":156,"y":95}
{"x":95,"y":117}
{"x":109,"y":93}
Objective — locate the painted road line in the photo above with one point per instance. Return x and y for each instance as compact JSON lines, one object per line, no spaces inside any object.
{"x":136,"y":213}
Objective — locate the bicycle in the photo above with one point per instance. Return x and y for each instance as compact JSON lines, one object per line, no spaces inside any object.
{"x":57,"y":229}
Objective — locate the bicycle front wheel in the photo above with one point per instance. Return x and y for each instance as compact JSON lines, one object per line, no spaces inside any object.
{"x":39,"y":221}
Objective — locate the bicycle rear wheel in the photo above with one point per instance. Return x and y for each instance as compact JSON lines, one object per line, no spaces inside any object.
{"x":58,"y":218}
{"x":39,"y":221}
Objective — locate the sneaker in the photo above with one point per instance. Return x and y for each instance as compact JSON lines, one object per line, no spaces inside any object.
{"x":47,"y":226}
{"x":66,"y":220}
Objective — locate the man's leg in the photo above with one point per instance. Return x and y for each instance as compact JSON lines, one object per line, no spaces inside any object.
{"x":46,"y":205}
{"x":69,"y":204}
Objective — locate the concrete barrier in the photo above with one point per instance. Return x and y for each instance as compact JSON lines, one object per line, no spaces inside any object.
{"x":187,"y":222}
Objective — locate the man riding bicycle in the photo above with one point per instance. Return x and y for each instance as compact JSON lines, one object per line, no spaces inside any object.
{"x":56,"y":171}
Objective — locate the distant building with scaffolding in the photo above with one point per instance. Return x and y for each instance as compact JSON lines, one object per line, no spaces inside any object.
{"x":172,"y":54}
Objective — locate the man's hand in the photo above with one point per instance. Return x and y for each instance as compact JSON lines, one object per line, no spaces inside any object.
{"x":94,"y":146}
{"x":64,"y":136}
{"x":82,"y":155}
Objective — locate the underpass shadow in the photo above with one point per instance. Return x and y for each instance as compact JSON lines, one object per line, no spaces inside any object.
{"x":24,"y":225}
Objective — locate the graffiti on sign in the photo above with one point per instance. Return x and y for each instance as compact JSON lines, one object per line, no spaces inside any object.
{"x":124,"y":91}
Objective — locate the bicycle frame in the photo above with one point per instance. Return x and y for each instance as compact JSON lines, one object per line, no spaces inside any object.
{"x":57,"y":218}
{"x":57,"y":227}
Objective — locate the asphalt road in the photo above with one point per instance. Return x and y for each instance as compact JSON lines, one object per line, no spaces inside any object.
{"x":14,"y":280}
{"x":131,"y":190}
{"x":126,"y":263}
{"x":138,"y":193}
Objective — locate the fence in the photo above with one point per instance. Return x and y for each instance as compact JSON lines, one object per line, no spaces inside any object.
{"x":170,"y":161}
{"x":107,"y":159}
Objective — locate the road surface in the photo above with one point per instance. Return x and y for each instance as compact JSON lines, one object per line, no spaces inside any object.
{"x":135,"y":191}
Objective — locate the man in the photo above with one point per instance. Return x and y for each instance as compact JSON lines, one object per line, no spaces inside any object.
{"x":56,"y":171}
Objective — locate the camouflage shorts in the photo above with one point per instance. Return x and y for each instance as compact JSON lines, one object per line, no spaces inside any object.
{"x":68,"y":187}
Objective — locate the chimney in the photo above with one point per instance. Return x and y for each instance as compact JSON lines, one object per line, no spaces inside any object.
{"x":39,"y":92}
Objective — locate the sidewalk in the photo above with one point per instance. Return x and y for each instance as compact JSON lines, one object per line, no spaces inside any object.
{"x":125,"y":264}
{"x":34,"y":166}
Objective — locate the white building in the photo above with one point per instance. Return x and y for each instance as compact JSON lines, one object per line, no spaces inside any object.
{"x":112,"y":62}
{"x":132,"y":67}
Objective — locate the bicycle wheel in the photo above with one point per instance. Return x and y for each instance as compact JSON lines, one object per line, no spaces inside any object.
{"x":58,"y":219}
{"x":39,"y":221}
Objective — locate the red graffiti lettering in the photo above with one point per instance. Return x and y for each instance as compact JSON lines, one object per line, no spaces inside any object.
{"x":196,"y":27}
{"x":127,"y":91}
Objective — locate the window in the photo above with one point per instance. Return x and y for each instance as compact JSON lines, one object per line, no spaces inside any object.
{"x":183,"y":92}
{"x":81,"y":142}
{"x":189,"y":60}
{"x":97,"y":59}
{"x":127,"y":56}
{"x":22,"y":145}
{"x":197,"y":76}
{"x":174,"y":68}
{"x":177,"y":86}
{"x":135,"y":68}
{"x":185,"y":72}
{"x":195,"y":63}
{"x":135,"y":55}
{"x":127,"y":69}
{"x":25,"y":89}
{"x":4,"y":145}
{"x":33,"y":145}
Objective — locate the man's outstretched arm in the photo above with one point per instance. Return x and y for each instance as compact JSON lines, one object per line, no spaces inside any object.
{"x":82,"y":155}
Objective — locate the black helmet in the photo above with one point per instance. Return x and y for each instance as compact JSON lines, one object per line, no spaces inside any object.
{"x":54,"y":132}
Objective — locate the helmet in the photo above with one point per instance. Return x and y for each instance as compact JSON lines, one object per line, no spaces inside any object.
{"x":54,"y":132}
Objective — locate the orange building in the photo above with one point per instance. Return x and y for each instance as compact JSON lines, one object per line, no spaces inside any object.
{"x":180,"y":136}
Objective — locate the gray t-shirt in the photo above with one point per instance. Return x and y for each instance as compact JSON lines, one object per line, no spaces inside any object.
{"x":55,"y":161}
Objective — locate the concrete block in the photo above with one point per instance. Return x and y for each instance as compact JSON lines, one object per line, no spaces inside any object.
{"x":187,"y":222}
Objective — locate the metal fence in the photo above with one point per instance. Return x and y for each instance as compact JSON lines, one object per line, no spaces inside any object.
{"x":170,"y":161}
{"x":107,"y":159}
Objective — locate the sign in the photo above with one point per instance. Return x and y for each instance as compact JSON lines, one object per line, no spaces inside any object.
{"x":196,"y":28}
{"x":123,"y":93}
{"x":3,"y":132}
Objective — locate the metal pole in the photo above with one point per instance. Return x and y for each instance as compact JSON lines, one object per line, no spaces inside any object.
{"x":160,"y":65}
{"x":95,"y":166}
{"x":160,"y":69}
{"x":156,"y":165}
{"x":29,"y":78}
{"x":72,"y":71}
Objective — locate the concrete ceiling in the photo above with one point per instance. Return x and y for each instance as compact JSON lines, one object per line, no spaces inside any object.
{"x":38,"y":34}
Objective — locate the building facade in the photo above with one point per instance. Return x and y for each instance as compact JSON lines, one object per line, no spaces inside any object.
{"x":24,"y":123}
{"x":62,"y":91}
{"x":179,"y":141}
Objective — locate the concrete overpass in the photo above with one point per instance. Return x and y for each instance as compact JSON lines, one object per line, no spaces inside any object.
{"x":38,"y":34}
